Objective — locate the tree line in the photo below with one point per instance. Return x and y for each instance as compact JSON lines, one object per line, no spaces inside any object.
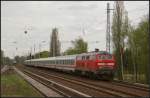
{"x":130,"y":45}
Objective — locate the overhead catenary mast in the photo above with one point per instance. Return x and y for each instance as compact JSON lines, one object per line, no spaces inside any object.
{"x":108,"y":29}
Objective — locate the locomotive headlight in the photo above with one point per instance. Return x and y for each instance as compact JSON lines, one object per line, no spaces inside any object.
{"x":110,"y":63}
{"x":101,"y":64}
{"x":105,"y":63}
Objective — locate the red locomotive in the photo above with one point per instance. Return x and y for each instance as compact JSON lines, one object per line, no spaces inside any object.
{"x":98,"y":63}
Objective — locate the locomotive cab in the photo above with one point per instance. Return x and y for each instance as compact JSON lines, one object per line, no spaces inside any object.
{"x":106,"y":65}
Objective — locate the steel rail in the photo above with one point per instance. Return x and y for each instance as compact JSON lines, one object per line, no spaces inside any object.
{"x":58,"y":85}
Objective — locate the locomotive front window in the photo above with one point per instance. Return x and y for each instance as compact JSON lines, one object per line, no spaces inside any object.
{"x":104,"y":57}
{"x":87,"y":57}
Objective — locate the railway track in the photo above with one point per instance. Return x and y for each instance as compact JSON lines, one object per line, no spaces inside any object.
{"x":110,"y":88}
{"x":131,"y":85}
{"x":76,"y":89}
{"x":5,"y":68}
{"x":63,"y":90}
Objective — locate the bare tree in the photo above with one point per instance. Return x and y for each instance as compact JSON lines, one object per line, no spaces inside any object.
{"x":119,"y":31}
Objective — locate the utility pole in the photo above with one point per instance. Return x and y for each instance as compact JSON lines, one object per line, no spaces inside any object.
{"x":39,"y":50}
{"x":148,"y":64}
{"x":31,"y":52}
{"x":108,"y":29}
{"x":34,"y":51}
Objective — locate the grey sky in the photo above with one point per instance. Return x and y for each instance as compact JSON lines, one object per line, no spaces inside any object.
{"x":70,"y":17}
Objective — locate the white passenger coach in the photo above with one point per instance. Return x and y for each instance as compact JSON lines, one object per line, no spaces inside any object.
{"x":58,"y":62}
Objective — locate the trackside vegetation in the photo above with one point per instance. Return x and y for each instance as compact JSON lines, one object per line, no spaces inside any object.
{"x":12,"y":85}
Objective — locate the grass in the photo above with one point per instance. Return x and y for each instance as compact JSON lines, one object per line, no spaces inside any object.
{"x":15,"y":86}
{"x":140,"y":78}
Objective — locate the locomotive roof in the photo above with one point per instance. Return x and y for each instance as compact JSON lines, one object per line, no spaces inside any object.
{"x":94,"y":53}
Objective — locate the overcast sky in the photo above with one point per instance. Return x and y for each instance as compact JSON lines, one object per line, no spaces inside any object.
{"x":70,"y":17}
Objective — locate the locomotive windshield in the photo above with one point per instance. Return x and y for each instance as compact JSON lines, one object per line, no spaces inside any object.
{"x":104,"y":55}
{"x":103,"y":52}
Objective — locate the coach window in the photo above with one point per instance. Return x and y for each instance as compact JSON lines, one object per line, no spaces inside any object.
{"x":83,"y":57}
{"x":93,"y":57}
{"x":80,"y":57}
{"x":60,"y":61}
{"x":44,"y":62}
{"x":69,"y":62}
{"x":87,"y":57}
{"x":63,"y":61}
